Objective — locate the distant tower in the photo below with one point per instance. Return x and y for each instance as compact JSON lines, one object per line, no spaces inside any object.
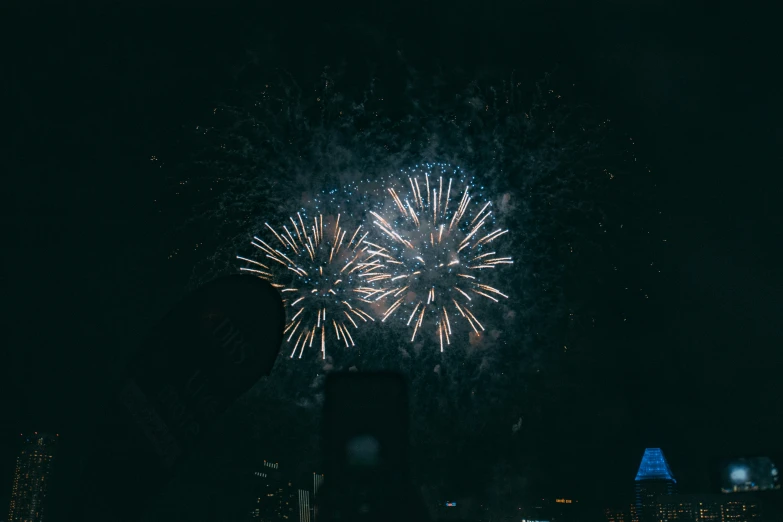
{"x":31,"y":478}
{"x":318,"y":481}
{"x":304,"y":506}
{"x":654,"y":479}
{"x":275,"y":502}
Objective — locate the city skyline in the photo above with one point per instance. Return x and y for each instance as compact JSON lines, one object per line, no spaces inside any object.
{"x":284,"y":498}
{"x":658,"y":498}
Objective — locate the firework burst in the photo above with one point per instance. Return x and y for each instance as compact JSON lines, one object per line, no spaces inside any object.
{"x":316,"y":265}
{"x":439,"y":240}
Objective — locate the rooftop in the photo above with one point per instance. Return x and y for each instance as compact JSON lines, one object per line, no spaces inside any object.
{"x":654,"y":466}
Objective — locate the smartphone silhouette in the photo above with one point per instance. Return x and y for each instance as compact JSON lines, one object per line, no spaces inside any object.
{"x":365,"y":449}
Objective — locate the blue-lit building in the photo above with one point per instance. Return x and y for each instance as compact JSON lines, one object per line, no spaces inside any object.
{"x":653,"y":481}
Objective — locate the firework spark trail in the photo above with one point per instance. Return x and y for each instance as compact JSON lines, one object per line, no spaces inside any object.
{"x":310,"y":272}
{"x":432,"y":241}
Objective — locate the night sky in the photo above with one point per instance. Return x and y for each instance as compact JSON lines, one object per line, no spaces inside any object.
{"x":89,"y":99}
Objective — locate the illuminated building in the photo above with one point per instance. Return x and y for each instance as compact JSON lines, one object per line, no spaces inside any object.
{"x":750,"y":474}
{"x":680,"y":509}
{"x":280,"y":500}
{"x":697,"y":508}
{"x":740,"y":510}
{"x":750,"y":484}
{"x":616,"y":515}
{"x":286,"y":502}
{"x":654,"y":480}
{"x":689,"y":508}
{"x":304,"y":505}
{"x":277,"y":501}
{"x":559,"y":509}
{"x":708,"y":508}
{"x":31,"y":478}
{"x":318,"y":481}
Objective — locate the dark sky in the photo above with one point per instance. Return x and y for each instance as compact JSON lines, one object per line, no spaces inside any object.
{"x":89,"y":98}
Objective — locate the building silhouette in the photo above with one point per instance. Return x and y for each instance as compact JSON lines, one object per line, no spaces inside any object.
{"x":31,"y":478}
{"x":277,"y":498}
{"x":617,"y":515}
{"x":740,"y":509}
{"x":654,"y":481}
{"x":281,"y":499}
{"x":555,"y":509}
{"x":318,"y":481}
{"x":305,"y":509}
{"x":690,"y":508}
{"x":708,"y":508}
